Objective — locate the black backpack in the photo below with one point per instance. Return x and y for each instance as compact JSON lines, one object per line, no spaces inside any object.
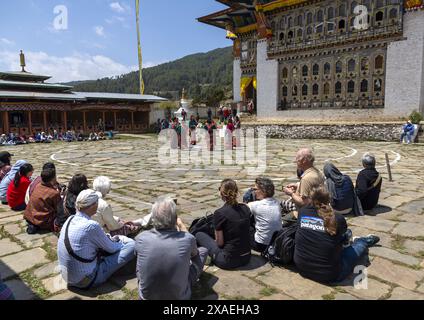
{"x":204,"y":224}
{"x":281,"y":248}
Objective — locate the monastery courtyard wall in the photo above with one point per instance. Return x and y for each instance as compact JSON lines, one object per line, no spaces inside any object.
{"x":28,"y":264}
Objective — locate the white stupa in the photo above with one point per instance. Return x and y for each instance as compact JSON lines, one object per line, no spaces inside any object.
{"x":184,"y":105}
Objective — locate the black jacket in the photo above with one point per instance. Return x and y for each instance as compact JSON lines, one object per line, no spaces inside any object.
{"x":369,"y":196}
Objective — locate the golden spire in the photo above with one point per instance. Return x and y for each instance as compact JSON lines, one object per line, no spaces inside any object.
{"x":22,"y":58}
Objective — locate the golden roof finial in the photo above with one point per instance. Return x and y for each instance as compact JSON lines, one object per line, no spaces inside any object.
{"x":22,"y":58}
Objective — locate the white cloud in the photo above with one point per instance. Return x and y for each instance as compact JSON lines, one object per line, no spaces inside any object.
{"x":6,"y":42}
{"x":100,"y":31}
{"x":63,"y":69}
{"x":116,"y":6}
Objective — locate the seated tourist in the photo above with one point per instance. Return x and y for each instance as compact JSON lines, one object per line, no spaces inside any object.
{"x":77,"y":184}
{"x":368,"y":183}
{"x":8,"y":178}
{"x":341,"y":189}
{"x":5,"y":159}
{"x":168,"y":260}
{"x":319,"y":254}
{"x":267,"y":213}
{"x":408,"y":131}
{"x":5,"y":292}
{"x":18,"y":188}
{"x":87,"y":256}
{"x":104,"y":215}
{"x":3,"y":139}
{"x":231,"y":249}
{"x":300,"y":193}
{"x":44,"y":205}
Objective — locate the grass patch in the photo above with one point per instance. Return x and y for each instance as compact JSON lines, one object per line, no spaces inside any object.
{"x":130,"y":294}
{"x":330,"y":296}
{"x":398,"y":243}
{"x":268,"y":291}
{"x":51,"y":253}
{"x":35,"y":284}
{"x":5,"y":234}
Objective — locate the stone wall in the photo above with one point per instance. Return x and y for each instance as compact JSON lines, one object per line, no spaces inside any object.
{"x":405,"y":68}
{"x":362,"y":132}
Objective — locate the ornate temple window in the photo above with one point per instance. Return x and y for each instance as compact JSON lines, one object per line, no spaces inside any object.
{"x":365,"y":65}
{"x":294,"y":92}
{"x":338,"y":87}
{"x":315,"y":89}
{"x":393,"y":14}
{"x":285,"y":73}
{"x":290,"y":35}
{"x":327,"y":68}
{"x":305,"y":71}
{"x":342,"y":24}
{"x":351,"y":65}
{"x":379,"y":16}
{"x":309,"y":31}
{"x":290,"y":22}
{"x":330,"y":13}
{"x":342,"y":10}
{"x":285,"y":91}
{"x":339,"y":67}
{"x":367,"y":3}
{"x":351,"y":86}
{"x":364,"y":86}
{"x":309,"y":18}
{"x":320,"y":16}
{"x":319,"y":28}
{"x":300,"y":20}
{"x":294,"y":72}
{"x":300,"y":33}
{"x":315,"y":70}
{"x":305,"y":90}
{"x":326,"y":90}
{"x":281,"y":36}
{"x":377,"y":85}
{"x":380,"y":4}
{"x":379,"y":62}
{"x":282,"y":23}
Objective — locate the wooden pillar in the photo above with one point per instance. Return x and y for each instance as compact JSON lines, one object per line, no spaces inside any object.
{"x":65,"y":121}
{"x":84,"y":121}
{"x":6,"y":122}
{"x":45,"y":121}
{"x":114,"y":120}
{"x":30,"y":122}
{"x":104,"y":120}
{"x":132,"y":120}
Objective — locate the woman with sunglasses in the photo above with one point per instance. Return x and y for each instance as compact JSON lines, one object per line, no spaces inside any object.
{"x":231,"y":247}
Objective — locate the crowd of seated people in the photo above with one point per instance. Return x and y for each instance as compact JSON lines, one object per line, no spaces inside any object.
{"x":93,"y":243}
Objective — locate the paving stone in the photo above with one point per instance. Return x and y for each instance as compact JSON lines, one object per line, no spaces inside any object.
{"x":294,"y":285}
{"x":374,"y":289}
{"x":421,"y":288}
{"x":403,"y":294}
{"x":244,"y":288}
{"x":55,"y":284}
{"x":47,"y":270}
{"x":278,"y":296}
{"x":344,"y":296}
{"x":8,"y":247}
{"x":394,"y":255}
{"x":414,"y":247}
{"x":407,"y":229}
{"x":256,"y":266}
{"x":11,"y":219}
{"x":21,"y":290}
{"x":374,"y":223}
{"x":19,"y":262}
{"x":402,"y":276}
{"x":13,"y":229}
{"x":68,"y":295}
{"x":413,"y":206}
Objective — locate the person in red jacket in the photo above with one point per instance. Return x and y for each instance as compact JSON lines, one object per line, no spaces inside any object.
{"x":18,"y":188}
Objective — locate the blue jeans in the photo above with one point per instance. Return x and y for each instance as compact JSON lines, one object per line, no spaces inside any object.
{"x":109,"y":265}
{"x":408,"y":136}
{"x":350,"y":257}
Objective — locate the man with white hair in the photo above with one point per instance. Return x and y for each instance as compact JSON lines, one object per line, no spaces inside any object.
{"x":368,"y":183}
{"x":87,"y":256}
{"x":168,"y":260}
{"x":310,"y":179}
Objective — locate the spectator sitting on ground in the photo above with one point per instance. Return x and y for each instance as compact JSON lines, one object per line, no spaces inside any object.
{"x":3,"y":139}
{"x":5,"y":159}
{"x":18,"y":188}
{"x":77,"y":184}
{"x":300,"y":193}
{"x":408,"y":131}
{"x":8,"y":178}
{"x":44,"y":205}
{"x":104,"y":215}
{"x":267,"y":213}
{"x":168,"y":260}
{"x":319,"y":254}
{"x":368,"y":183}
{"x":37,"y":181}
{"x":93,"y":136}
{"x":341,"y":189}
{"x":87,"y":256}
{"x":231,"y":248}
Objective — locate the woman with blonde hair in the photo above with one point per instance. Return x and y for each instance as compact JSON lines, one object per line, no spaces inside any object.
{"x":231,"y":248}
{"x":320,"y":237}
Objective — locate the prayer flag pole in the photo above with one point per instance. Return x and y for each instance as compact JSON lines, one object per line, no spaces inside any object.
{"x":140,"y":56}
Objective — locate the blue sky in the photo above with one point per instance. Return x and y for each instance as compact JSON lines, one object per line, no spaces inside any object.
{"x":100,"y":39}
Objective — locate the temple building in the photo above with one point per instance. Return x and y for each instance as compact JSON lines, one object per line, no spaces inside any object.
{"x":29,"y":104}
{"x":342,"y":59}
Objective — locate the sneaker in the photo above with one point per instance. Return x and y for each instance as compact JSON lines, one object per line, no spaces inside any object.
{"x":370,"y":239}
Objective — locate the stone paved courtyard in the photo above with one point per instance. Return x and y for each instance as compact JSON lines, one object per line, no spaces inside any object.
{"x":396,"y":271}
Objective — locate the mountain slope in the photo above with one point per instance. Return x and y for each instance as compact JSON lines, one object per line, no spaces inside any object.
{"x":193,"y":72}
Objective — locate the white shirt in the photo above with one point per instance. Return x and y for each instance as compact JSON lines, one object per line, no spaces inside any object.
{"x":268,"y":219}
{"x":104,"y":216}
